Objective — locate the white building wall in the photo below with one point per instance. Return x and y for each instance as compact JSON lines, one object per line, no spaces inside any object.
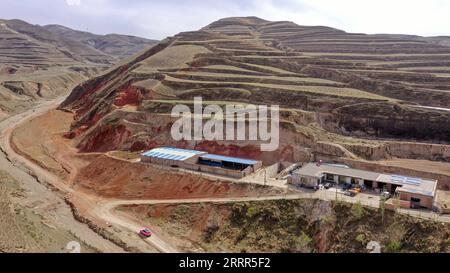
{"x":272,"y":170}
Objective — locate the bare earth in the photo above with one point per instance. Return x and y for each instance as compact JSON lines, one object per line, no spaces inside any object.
{"x":45,"y":202}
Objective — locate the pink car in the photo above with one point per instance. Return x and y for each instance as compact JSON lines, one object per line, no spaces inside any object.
{"x":145,"y":232}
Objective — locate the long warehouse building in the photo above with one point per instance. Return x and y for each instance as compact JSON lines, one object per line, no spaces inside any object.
{"x":201,"y":161}
{"x":413,"y":192}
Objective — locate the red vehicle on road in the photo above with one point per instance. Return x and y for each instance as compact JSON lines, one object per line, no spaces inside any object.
{"x":145,"y":232}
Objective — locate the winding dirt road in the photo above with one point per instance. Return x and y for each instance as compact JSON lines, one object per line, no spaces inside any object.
{"x":19,"y":166}
{"x":62,"y":215}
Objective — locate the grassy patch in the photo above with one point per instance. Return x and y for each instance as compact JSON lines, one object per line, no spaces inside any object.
{"x":125,"y":155}
{"x":323,"y":90}
{"x":357,"y":210}
{"x":172,"y":57}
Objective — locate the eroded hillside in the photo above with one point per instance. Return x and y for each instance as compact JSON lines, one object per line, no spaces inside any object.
{"x":330,"y":85}
{"x":293,"y":226}
{"x":39,"y":62}
{"x":24,"y":228}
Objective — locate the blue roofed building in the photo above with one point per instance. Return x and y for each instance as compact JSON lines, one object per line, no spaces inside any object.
{"x":171,"y":156}
{"x":413,"y":192}
{"x":201,"y":161}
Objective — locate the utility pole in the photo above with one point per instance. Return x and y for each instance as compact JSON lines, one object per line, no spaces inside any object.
{"x":336,"y":186}
{"x":265,"y":176}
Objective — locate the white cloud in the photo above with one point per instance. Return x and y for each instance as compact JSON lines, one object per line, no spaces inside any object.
{"x":73,"y":2}
{"x":387,"y":16}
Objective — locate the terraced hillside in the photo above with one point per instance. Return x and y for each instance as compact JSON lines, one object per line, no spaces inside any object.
{"x":37,"y":62}
{"x":329,"y":84}
{"x":118,"y":46}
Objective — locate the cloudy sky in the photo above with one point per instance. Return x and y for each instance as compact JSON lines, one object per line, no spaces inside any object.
{"x":161,"y":18}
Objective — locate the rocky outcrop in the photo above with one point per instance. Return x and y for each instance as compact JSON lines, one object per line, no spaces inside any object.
{"x":397,"y":149}
{"x":389,"y":121}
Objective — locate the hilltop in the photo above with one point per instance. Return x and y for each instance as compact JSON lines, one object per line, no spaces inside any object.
{"x":116,"y":45}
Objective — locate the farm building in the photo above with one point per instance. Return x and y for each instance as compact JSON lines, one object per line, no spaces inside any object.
{"x":412,"y":192}
{"x":170,"y":156}
{"x":226,"y":165}
{"x":201,"y":161}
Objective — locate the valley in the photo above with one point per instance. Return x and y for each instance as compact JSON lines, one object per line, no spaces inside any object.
{"x":45,"y":62}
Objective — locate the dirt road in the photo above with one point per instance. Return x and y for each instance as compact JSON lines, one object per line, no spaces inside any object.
{"x":37,"y":193}
{"x":28,"y":172}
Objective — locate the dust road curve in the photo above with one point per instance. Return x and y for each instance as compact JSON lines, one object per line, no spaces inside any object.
{"x":39,"y":193}
{"x":106,"y":211}
{"x":7,"y":127}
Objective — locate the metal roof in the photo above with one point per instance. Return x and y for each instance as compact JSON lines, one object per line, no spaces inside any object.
{"x":229,"y":159}
{"x":172,"y":153}
{"x":178,"y":154}
{"x":318,"y":170}
{"x":408,"y":184}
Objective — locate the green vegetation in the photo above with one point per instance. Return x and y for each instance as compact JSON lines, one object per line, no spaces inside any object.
{"x":382,"y":208}
{"x":181,"y":211}
{"x":302,"y":243}
{"x":357,"y":210}
{"x":251,"y":212}
{"x":394,"y":246}
{"x":361,"y":238}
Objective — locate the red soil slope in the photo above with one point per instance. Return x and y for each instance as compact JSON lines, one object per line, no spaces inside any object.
{"x":114,"y":178}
